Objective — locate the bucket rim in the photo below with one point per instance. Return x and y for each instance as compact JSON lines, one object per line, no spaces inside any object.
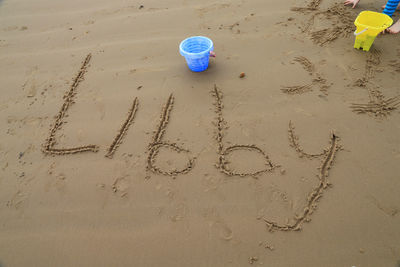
{"x":389,"y":20}
{"x":210,"y":47}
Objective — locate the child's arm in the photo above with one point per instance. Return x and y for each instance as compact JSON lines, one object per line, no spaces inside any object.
{"x":352,"y":2}
{"x":390,"y":7}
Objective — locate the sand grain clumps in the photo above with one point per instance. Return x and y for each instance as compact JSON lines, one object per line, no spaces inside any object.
{"x":157,"y":144}
{"x":372,"y":63}
{"x":317,"y":80}
{"x":306,"y":63}
{"x":68,"y":101}
{"x":294,"y":142}
{"x":328,"y":157}
{"x":313,"y":5}
{"x":377,"y":107}
{"x":221,"y":125}
{"x":395,"y":64}
{"x":297,"y":89}
{"x":342,"y":22}
{"x":124,"y":128}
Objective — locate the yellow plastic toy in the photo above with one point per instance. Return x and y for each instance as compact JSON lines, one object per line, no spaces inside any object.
{"x":369,"y":25}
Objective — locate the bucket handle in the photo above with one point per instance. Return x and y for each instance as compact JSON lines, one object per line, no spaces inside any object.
{"x":358,"y":33}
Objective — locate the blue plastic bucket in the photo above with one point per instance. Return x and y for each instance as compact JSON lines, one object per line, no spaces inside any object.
{"x":196,"y":51}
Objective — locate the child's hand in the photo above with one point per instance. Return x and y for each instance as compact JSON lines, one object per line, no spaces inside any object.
{"x":351,"y":2}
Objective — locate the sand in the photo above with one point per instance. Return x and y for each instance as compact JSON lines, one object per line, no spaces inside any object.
{"x":285,"y":152}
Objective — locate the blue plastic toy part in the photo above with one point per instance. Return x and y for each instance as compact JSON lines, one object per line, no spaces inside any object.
{"x":196,"y":51}
{"x":390,"y":7}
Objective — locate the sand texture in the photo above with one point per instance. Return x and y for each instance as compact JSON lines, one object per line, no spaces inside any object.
{"x":284,"y":152}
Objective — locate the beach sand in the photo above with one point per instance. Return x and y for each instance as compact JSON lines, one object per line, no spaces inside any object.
{"x":294,"y":164}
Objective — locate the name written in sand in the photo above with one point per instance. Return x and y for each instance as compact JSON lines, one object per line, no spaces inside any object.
{"x":223,"y":164}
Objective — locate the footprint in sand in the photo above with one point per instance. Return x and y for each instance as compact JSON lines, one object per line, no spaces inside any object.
{"x":180,"y":212}
{"x":121,"y":186}
{"x":218,"y":225}
{"x":100,"y":107}
{"x":17,"y":199}
{"x":57,"y":182}
{"x":30,"y":85}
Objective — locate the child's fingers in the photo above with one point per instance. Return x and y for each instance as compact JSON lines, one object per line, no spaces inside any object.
{"x":348,"y":2}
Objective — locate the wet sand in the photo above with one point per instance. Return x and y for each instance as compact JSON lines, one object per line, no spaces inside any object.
{"x":112,"y":153}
